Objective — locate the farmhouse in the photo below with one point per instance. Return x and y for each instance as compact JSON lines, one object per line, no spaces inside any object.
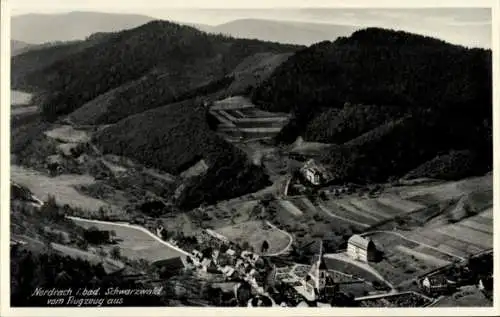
{"x":172,"y":265}
{"x":315,"y":173}
{"x":360,"y":248}
{"x":436,"y":284}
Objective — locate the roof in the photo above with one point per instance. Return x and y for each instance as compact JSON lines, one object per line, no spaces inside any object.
{"x":317,"y":168}
{"x":437,"y":280}
{"x":174,"y":263}
{"x":359,"y":241}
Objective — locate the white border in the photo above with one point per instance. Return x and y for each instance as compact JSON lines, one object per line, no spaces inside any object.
{"x":5,"y":166}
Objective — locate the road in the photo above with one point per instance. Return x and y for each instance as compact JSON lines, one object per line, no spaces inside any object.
{"x":125,"y":224}
{"x":289,"y":243}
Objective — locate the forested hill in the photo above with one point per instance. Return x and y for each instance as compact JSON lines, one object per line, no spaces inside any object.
{"x":393,"y":101}
{"x":158,"y":46}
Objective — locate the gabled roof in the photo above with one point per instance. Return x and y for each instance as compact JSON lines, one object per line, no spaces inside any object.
{"x":175,"y":263}
{"x":359,"y":241}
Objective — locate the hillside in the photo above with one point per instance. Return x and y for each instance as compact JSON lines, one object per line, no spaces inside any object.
{"x":426,"y":98}
{"x":291,"y":32}
{"x":42,"y":28}
{"x":18,"y":47}
{"x":175,"y":137}
{"x":184,"y":56}
{"x":40,"y":56}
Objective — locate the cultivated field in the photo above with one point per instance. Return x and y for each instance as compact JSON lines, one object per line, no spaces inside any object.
{"x":133,"y":242}
{"x":110,"y":265}
{"x":469,"y":236}
{"x":62,"y":187}
{"x":255,"y":233}
{"x":404,"y":259}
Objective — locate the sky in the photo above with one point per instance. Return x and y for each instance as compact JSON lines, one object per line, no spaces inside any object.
{"x":460,"y":25}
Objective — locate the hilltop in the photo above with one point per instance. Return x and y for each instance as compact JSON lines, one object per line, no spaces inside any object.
{"x":390,"y":100}
{"x":292,"y":32}
{"x":77,"y":25}
{"x":18,"y":47}
{"x":166,"y":59}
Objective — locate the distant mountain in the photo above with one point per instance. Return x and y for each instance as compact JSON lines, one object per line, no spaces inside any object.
{"x":17,"y":47}
{"x":290,"y":32}
{"x":149,"y":66}
{"x":42,"y":28}
{"x":391,"y":101}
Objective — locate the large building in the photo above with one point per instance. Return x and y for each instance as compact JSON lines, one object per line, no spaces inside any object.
{"x":361,"y":249}
{"x":315,"y":173}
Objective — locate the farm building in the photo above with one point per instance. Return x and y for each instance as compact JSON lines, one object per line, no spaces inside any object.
{"x":360,"y":248}
{"x":315,"y":173}
{"x":486,"y":284}
{"x":437,"y":284}
{"x":172,"y":265}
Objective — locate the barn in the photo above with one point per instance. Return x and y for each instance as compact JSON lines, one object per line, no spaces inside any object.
{"x":361,"y":249}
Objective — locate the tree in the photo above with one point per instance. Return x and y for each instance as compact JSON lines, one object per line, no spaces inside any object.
{"x":115,"y":253}
{"x":265,"y":247}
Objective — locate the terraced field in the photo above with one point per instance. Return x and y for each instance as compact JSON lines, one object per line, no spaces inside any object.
{"x":469,"y":236}
{"x":239,"y":118}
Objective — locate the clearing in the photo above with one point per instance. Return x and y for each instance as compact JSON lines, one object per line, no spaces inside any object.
{"x":61,"y":187}
{"x":255,"y":233}
{"x":134,"y":242}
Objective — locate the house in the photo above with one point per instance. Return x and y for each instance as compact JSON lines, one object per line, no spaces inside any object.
{"x":228,"y":271}
{"x":172,"y":265}
{"x":361,"y":249}
{"x":315,"y":173}
{"x":486,"y":284}
{"x":437,"y":284}
{"x":230,"y":252}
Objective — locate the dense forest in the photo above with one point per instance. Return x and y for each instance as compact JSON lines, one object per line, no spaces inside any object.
{"x":41,"y":56}
{"x":391,"y":101}
{"x":173,"y":138}
{"x":185,"y":56}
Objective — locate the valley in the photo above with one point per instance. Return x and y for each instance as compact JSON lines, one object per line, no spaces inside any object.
{"x":248,"y":164}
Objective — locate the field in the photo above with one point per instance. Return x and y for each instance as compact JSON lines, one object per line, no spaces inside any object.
{"x":469,"y":236}
{"x":239,"y":118}
{"x":134,"y":243}
{"x":404,"y":259}
{"x":255,"y":233}
{"x":67,"y":134}
{"x":19,"y":98}
{"x":62,"y":187}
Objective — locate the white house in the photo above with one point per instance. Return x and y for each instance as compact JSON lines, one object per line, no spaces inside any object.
{"x":361,"y":249}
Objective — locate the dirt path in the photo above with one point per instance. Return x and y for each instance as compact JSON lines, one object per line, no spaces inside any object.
{"x":284,"y":250}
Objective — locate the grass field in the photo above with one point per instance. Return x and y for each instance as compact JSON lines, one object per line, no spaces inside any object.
{"x":19,"y":98}
{"x":134,"y":243}
{"x":255,"y":233}
{"x":469,"y":236}
{"x":404,"y":259}
{"x":62,"y":187}
{"x":67,"y":134}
